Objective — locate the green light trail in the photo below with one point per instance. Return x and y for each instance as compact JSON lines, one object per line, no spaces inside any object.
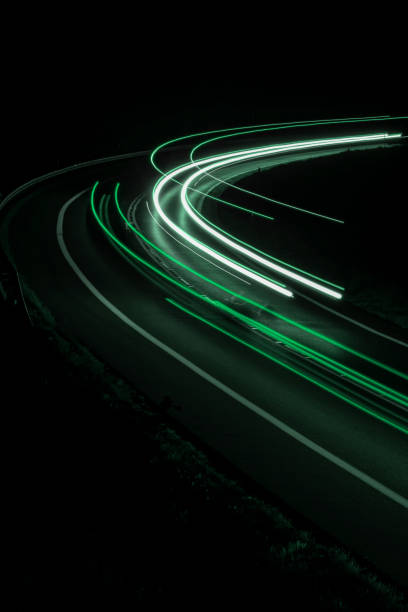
{"x":347,"y":373}
{"x":273,"y":201}
{"x":203,"y":247}
{"x":268,"y":255}
{"x":265,"y":127}
{"x":226,"y":290}
{"x":248,"y":252}
{"x":226,"y":159}
{"x":378,"y":387}
{"x":318,"y":357}
{"x":241,"y":208}
{"x":276,"y":126}
{"x":249,"y":129}
{"x":284,"y":263}
{"x":291,"y":368}
{"x":211,"y":262}
{"x":258,"y":129}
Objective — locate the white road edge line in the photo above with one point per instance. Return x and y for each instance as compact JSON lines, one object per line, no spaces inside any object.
{"x":365,"y":478}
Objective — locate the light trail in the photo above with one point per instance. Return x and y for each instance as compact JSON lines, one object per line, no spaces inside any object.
{"x":191,"y":173}
{"x":192,"y":250}
{"x":342,"y":428}
{"x":231,"y":132}
{"x":255,"y":409}
{"x":333,"y":364}
{"x":361,"y":379}
{"x":226,"y":159}
{"x":258,"y":129}
{"x":233,"y":243}
{"x":316,"y":382}
{"x":268,"y":255}
{"x":225,"y":289}
{"x":255,"y":213}
{"x":215,"y":254}
{"x":262,"y":127}
{"x":236,"y":206}
{"x":104,"y":202}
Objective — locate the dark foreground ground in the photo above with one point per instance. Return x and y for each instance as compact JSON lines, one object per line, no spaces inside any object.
{"x":106,"y":492}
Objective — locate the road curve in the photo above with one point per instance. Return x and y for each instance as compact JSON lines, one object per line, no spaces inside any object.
{"x":298,"y":391}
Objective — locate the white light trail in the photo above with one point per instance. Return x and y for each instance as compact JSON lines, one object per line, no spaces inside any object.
{"x":222,"y":160}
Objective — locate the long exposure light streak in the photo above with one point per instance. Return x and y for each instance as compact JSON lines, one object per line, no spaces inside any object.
{"x":231,"y":132}
{"x":226,"y":159}
{"x":215,"y":254}
{"x":267,"y":255}
{"x":330,"y":389}
{"x":271,"y":127}
{"x":378,"y":387}
{"x":343,"y":380}
{"x":243,"y":298}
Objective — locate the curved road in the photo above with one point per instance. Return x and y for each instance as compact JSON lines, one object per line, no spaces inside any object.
{"x":322,"y":424}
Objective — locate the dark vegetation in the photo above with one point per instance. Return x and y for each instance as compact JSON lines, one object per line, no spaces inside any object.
{"x":106,"y":491}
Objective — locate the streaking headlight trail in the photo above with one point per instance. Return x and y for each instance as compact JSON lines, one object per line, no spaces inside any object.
{"x":361,"y":379}
{"x":215,"y":162}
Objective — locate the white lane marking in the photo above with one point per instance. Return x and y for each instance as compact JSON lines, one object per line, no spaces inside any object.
{"x":24,"y":301}
{"x":54,"y":173}
{"x":350,"y":320}
{"x":347,"y":467}
{"x":187,"y":247}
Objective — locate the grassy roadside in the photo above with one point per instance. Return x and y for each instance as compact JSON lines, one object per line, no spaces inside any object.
{"x":108,"y":492}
